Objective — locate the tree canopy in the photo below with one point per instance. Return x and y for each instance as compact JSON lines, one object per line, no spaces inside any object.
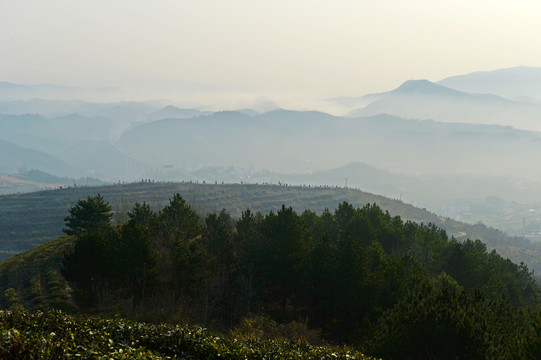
{"x":357,"y":276}
{"x":87,"y":216}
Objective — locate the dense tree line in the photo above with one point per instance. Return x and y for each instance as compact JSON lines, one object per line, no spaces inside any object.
{"x":396,"y":289}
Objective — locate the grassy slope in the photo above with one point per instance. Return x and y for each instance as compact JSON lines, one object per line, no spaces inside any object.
{"x":28,"y":220}
{"x":33,"y":279}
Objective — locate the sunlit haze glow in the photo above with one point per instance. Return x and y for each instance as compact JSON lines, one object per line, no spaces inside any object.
{"x":227,"y":53}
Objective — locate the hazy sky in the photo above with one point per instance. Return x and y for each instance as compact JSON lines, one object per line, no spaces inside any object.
{"x":223,"y":50}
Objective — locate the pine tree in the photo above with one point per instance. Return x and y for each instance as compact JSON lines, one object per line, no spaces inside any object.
{"x":88,"y":216}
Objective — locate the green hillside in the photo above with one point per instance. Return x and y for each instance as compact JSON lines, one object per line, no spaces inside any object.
{"x":386,"y":287}
{"x":33,"y":279}
{"x":28,"y":220}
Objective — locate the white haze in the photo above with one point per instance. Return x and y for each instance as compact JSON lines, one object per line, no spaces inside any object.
{"x":293,"y":52}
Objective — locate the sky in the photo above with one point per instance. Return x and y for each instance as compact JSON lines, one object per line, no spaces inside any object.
{"x":227,"y":52}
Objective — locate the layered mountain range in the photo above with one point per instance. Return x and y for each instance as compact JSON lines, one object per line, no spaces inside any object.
{"x":463,"y":139}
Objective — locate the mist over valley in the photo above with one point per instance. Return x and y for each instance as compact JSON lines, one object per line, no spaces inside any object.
{"x":465,"y":155}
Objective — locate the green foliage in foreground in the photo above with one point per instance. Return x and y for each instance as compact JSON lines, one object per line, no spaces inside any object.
{"x":358,"y":276}
{"x":55,"y":335}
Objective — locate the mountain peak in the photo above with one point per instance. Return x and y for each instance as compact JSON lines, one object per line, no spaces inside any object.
{"x":415,"y":84}
{"x":424,"y":87}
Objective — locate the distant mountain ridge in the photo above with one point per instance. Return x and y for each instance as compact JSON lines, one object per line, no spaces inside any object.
{"x":14,"y":157}
{"x":174,"y":112}
{"x":513,"y":83}
{"x":295,"y":142}
{"x":422,"y":99}
{"x":521,"y":84}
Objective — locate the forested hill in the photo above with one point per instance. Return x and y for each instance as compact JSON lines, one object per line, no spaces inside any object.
{"x":28,"y":220}
{"x":358,"y":276}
